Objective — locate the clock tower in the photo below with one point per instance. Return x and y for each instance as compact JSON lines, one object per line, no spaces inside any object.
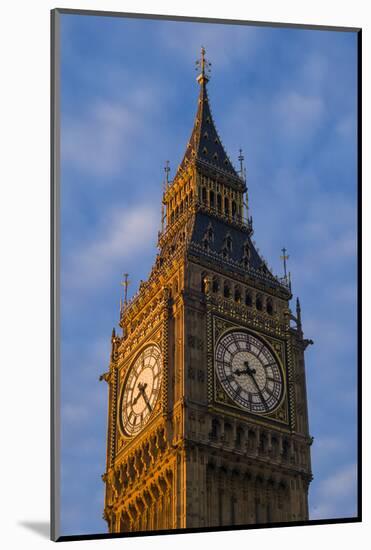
{"x":207,"y":408}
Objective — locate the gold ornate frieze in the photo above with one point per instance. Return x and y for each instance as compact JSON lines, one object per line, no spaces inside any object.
{"x":214,"y":259}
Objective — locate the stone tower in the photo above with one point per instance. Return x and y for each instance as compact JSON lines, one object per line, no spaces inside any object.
{"x":207,"y":414}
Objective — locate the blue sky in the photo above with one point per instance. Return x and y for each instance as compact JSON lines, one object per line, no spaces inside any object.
{"x":128,"y":101}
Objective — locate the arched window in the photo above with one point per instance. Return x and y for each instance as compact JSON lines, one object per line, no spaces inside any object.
{"x":227,"y":432}
{"x":219,"y":202}
{"x":210,"y":233}
{"x":212,"y":199}
{"x":234,"y":209}
{"x":172,"y":217}
{"x":226,"y":290}
{"x":208,"y":237}
{"x":263,"y":442}
{"x":252,"y":440}
{"x":203,"y":282}
{"x":215,"y":429}
{"x":203,"y":195}
{"x":248,"y":298}
{"x":177,"y":212}
{"x":216,"y":285}
{"x":259,"y":302}
{"x":239,"y":436}
{"x":274,"y":444}
{"x":246,"y":251}
{"x":226,"y":206}
{"x":285,"y":449}
{"x":269,"y":306}
{"x":237,"y":294}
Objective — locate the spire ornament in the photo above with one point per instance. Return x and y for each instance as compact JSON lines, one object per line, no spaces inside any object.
{"x":298,"y":313}
{"x":125,"y":283}
{"x":204,"y":65}
{"x":284,"y":257}
{"x":167,"y":170}
{"x":241,"y":158}
{"x":165,"y":188}
{"x":287,"y":275}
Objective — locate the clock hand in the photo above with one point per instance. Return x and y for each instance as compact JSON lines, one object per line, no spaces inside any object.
{"x":246,"y":371}
{"x":136,"y":398}
{"x":142,"y":389}
{"x":259,"y":391}
{"x":251,"y":373}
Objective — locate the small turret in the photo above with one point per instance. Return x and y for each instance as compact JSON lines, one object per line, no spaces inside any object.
{"x":298,"y":314}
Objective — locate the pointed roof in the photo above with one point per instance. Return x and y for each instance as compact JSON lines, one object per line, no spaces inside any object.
{"x":204,"y":144}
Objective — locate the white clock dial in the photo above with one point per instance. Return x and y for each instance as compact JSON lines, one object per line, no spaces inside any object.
{"x":248,"y":372}
{"x":141,"y":390}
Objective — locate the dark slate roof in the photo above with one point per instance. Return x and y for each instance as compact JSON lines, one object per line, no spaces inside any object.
{"x":220,"y":231}
{"x":204,"y":143}
{"x":256,"y":267}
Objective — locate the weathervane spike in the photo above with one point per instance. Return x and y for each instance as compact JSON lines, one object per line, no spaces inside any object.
{"x":204,"y":65}
{"x":167,"y":170}
{"x":241,"y":158}
{"x":284,"y":257}
{"x":298,"y":312}
{"x":125,"y":283}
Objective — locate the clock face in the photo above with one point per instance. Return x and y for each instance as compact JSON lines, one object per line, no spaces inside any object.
{"x":141,"y":390}
{"x":248,"y":372}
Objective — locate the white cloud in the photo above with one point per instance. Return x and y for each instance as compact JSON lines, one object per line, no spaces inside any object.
{"x":95,"y":142}
{"x":330,"y":333}
{"x":100,"y":139}
{"x":326,"y":448}
{"x":314,"y":70}
{"x":336,"y":496}
{"x":299,"y":115}
{"x":84,"y":397}
{"x":125,"y":234}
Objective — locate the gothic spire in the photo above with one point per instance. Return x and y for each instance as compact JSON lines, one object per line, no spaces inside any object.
{"x":205,"y":145}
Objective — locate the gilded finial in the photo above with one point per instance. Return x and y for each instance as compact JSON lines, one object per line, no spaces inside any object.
{"x":125,"y":283}
{"x":298,"y":313}
{"x":204,"y":65}
{"x":284,"y":257}
{"x":167,"y":170}
{"x":241,"y":158}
